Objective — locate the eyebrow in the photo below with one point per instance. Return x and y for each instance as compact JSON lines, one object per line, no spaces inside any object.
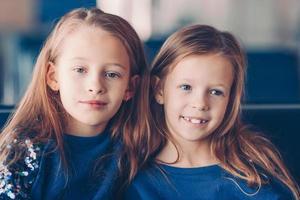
{"x":115,"y":64}
{"x":106,"y":64}
{"x":221,"y":85}
{"x":214,"y":85}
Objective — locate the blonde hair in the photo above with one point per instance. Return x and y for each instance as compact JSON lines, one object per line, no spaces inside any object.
{"x":40,"y":114}
{"x":239,"y":150}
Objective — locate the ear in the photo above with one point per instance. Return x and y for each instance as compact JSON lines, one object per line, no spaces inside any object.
{"x":51,"y":77}
{"x":133,"y":82}
{"x":157,"y":85}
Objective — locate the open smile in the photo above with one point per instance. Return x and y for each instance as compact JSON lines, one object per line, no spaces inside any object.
{"x":194,"y":120}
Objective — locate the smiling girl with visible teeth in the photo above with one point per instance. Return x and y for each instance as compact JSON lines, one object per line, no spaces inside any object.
{"x":198,"y":147}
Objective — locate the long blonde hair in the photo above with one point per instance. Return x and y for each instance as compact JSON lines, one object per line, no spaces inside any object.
{"x":40,"y":114}
{"x":239,"y":150}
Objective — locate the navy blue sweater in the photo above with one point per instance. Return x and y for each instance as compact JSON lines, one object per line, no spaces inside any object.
{"x":203,"y":183}
{"x":81,"y":153}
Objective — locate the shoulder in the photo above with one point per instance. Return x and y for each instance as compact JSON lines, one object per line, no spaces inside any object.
{"x":147,"y":184}
{"x":272,"y":189}
{"x":279,"y":190}
{"x":17,"y":178}
{"x":150,"y":174}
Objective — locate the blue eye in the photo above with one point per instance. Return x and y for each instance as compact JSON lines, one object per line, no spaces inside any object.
{"x":80,"y":70}
{"x":216,"y":92}
{"x":112,"y":75}
{"x":185,"y":87}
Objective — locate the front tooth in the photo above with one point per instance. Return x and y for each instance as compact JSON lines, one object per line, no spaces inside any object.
{"x":195,"y":121}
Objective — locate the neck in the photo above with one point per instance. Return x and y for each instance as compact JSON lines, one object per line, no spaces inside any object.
{"x":188,"y":154}
{"x":83,"y":130}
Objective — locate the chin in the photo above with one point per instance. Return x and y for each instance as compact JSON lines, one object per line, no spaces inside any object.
{"x":196,"y":138}
{"x":93,"y":123}
{"x":90,"y":122}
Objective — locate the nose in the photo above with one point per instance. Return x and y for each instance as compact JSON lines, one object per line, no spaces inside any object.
{"x":200,"y":102}
{"x":202,"y":108}
{"x":96,"y":86}
{"x":96,"y":91}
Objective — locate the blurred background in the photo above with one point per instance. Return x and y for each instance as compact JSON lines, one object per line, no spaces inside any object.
{"x":268,"y":29}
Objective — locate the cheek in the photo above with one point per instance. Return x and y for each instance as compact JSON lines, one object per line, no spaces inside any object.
{"x":173,"y":100}
{"x":68,"y":82}
{"x":117,"y":89}
{"x":172,"y":109}
{"x":222,"y":108}
{"x":171,"y":95}
{"x":70,"y":90}
{"x":67,"y":90}
{"x":65,"y":99}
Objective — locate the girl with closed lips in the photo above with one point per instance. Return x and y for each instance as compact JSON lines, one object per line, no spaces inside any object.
{"x":92,"y":75}
{"x":64,"y":139}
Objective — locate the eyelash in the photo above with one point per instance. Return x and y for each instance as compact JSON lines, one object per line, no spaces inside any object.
{"x":185,"y":87}
{"x":80,"y":70}
{"x":112,"y":75}
{"x":216,"y":92}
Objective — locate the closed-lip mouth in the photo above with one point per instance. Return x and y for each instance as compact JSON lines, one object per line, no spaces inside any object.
{"x":97,"y":102}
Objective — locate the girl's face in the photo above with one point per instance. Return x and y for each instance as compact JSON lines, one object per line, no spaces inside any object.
{"x":195,"y":95}
{"x":92,"y":74}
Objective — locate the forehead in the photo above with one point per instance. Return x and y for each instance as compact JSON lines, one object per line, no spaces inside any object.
{"x":213,"y":68}
{"x":92,"y":42}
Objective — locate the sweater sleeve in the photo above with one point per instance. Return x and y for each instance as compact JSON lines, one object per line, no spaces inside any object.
{"x":17,"y":178}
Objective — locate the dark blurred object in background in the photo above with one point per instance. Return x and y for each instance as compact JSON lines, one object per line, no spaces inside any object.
{"x":50,"y":10}
{"x":273,"y":77}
